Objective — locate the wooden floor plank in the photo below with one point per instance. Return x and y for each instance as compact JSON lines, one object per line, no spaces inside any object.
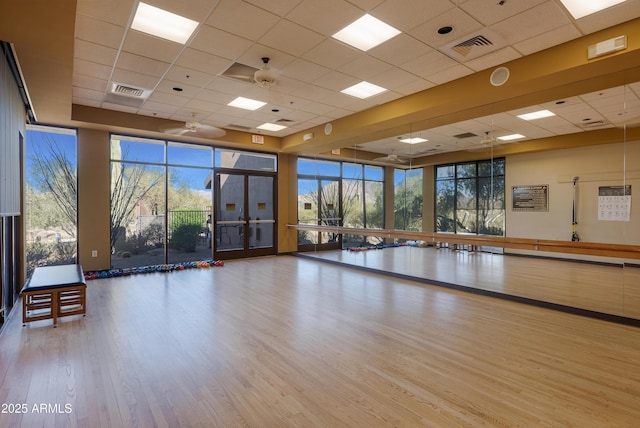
{"x":609,"y":288}
{"x":289,"y":342}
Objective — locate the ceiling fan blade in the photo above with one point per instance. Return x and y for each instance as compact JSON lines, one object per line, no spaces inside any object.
{"x":202,"y":131}
{"x":173,"y":131}
{"x":210,"y":133}
{"x":390,"y":159}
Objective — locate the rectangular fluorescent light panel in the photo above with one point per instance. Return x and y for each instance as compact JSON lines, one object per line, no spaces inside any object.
{"x":363,"y":90}
{"x":511,"y":137}
{"x":536,"y":115}
{"x":366,"y":32}
{"x":271,"y":127}
{"x":414,"y":140}
{"x":163,"y":24}
{"x":246,"y":103}
{"x":582,"y":8}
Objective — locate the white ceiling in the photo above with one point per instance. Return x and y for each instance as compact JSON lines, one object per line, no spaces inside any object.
{"x":312,"y":68}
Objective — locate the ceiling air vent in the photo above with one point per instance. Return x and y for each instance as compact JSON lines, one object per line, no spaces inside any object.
{"x":465,"y":135}
{"x":592,"y":124}
{"x":127,"y":90}
{"x":127,"y":95}
{"x":464,"y":48}
{"x":283,"y":120}
{"x":474,"y":45}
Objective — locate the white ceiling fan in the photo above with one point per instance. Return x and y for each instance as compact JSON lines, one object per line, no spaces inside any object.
{"x":264,"y":77}
{"x":391,"y":158}
{"x":487,"y":143}
{"x":196,"y":129}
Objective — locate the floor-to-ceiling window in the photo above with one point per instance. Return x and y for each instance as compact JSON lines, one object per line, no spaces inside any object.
{"x":407,"y":200}
{"x":319,"y":202}
{"x":334,"y":193}
{"x":362,"y":201}
{"x":51,"y":197}
{"x":162,"y":205}
{"x":470,"y":197}
{"x":138,"y":201}
{"x":189,"y":202}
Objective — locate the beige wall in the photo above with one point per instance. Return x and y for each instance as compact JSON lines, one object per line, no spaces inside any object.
{"x":94,"y":194}
{"x":287,"y":203}
{"x":607,"y":165}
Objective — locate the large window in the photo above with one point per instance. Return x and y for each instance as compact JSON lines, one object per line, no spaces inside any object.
{"x":51,"y":196}
{"x":470,"y":197}
{"x":339,"y":194}
{"x":160,"y":203}
{"x":162,"y":199}
{"x":407,"y":201}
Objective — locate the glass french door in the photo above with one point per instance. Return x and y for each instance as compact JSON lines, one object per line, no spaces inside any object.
{"x":244,"y":219}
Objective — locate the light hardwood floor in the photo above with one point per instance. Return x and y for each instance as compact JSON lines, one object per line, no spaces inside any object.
{"x":606,"y":288}
{"x":290,"y":342}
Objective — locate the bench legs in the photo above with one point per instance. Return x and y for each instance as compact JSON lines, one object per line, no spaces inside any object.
{"x":53,"y":303}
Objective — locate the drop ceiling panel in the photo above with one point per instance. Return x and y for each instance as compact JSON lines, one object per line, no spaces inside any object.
{"x":489,"y":13}
{"x":203,"y":61}
{"x":396,"y":15}
{"x":242,"y":19}
{"x":332,"y":54}
{"x":159,"y":108}
{"x":364,"y":67}
{"x":89,"y":82}
{"x":325,"y":17}
{"x":192,"y":9}
{"x":542,"y":18}
{"x":304,"y":70}
{"x":429,"y":64}
{"x":99,"y":32}
{"x":151,"y":47}
{"x":113,"y":11}
{"x":220,"y":43}
{"x":89,"y":94}
{"x":395,"y":79}
{"x":291,"y":38}
{"x":188,"y":76}
{"x":399,"y":50}
{"x":279,"y":7}
{"x":167,"y":86}
{"x":86,"y":68}
{"x":461,"y":22}
{"x":94,"y":53}
{"x":168,"y":98}
{"x":151,"y":67}
{"x":547,"y":39}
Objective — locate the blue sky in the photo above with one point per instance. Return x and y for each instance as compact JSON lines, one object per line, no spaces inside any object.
{"x":38,"y":141}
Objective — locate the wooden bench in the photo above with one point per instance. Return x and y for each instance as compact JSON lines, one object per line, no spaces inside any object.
{"x":53,"y":292}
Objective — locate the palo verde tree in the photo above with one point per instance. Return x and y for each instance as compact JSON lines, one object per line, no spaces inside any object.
{"x":130,"y":183}
{"x":54,"y":177}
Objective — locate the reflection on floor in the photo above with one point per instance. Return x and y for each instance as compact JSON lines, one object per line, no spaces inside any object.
{"x":609,"y":291}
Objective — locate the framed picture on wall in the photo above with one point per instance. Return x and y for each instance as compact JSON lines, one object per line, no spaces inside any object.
{"x":530,"y":198}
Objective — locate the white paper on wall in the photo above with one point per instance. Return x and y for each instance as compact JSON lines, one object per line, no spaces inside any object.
{"x":614,"y":203}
